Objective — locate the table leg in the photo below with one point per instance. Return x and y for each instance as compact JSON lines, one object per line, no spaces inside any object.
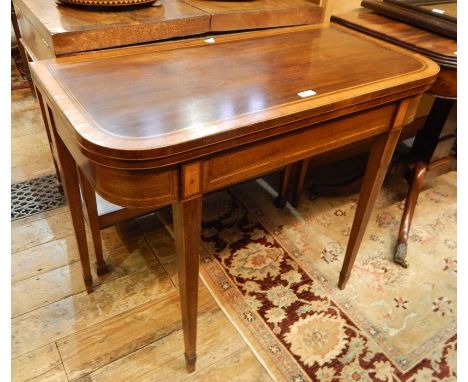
{"x":379,"y":158}
{"x":23,"y":55}
{"x":417,"y":180}
{"x":89,"y":196}
{"x":302,"y":172}
{"x":49,"y":136}
{"x":71,"y":186}
{"x":187,"y":228}
{"x":281,"y":200}
{"x":422,"y":150}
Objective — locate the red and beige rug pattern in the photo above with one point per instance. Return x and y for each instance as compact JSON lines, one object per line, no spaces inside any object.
{"x":275,"y":271}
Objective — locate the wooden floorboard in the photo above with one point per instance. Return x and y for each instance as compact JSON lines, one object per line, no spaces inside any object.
{"x":162,"y":361}
{"x":90,"y":349}
{"x":241,"y":366}
{"x":64,"y":317}
{"x":37,"y":362}
{"x":123,"y":261}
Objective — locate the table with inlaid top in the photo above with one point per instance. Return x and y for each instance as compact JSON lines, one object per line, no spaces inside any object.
{"x":163,"y":124}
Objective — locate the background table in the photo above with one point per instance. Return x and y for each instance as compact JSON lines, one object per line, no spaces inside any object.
{"x":50,"y":30}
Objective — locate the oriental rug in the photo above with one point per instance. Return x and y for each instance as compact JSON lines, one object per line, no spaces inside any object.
{"x":19,"y":78}
{"x":275,"y":272}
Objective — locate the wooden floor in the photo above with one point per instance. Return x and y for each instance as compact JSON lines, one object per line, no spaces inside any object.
{"x":127,"y":330}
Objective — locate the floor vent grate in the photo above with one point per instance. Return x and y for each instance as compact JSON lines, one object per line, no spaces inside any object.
{"x":35,"y":196}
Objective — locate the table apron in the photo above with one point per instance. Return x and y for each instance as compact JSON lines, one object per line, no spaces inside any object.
{"x":243,"y":163}
{"x":157,"y":187}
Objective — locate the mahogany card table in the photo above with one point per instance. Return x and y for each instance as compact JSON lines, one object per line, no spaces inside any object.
{"x":163,"y":124}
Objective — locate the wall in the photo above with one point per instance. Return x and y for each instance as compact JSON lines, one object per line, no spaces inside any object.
{"x":339,"y":6}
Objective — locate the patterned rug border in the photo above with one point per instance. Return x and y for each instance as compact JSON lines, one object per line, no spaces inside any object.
{"x":22,"y":82}
{"x":237,"y":322}
{"x":446,"y":334}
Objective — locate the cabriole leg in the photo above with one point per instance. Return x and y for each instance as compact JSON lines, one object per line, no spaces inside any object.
{"x":417,"y":181}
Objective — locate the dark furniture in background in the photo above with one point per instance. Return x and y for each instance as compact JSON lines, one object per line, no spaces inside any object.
{"x":438,"y":16}
{"x":432,"y":149}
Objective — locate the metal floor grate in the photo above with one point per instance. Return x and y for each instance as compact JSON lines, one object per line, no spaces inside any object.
{"x":35,"y":196}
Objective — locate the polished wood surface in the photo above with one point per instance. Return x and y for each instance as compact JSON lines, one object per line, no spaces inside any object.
{"x":224,"y":121}
{"x":444,"y":10}
{"x":439,"y":48}
{"x":450,"y":9}
{"x":238,"y":15}
{"x":49,"y":28}
{"x":421,"y":18}
{"x":170,"y":112}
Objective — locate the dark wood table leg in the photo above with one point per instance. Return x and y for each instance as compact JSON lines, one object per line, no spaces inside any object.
{"x":422,"y":152}
{"x":71,"y":185}
{"x":93,"y":220}
{"x":282,"y":198}
{"x":24,"y":57}
{"x":299,"y":186}
{"x":417,"y":180}
{"x":380,"y":156}
{"x":187,"y":229}
{"x":48,"y":130}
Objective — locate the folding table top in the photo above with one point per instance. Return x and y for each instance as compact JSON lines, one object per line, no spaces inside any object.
{"x":159,"y":99}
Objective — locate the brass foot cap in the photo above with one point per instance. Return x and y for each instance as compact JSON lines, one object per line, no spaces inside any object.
{"x":190,"y":362}
{"x":400,"y":255}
